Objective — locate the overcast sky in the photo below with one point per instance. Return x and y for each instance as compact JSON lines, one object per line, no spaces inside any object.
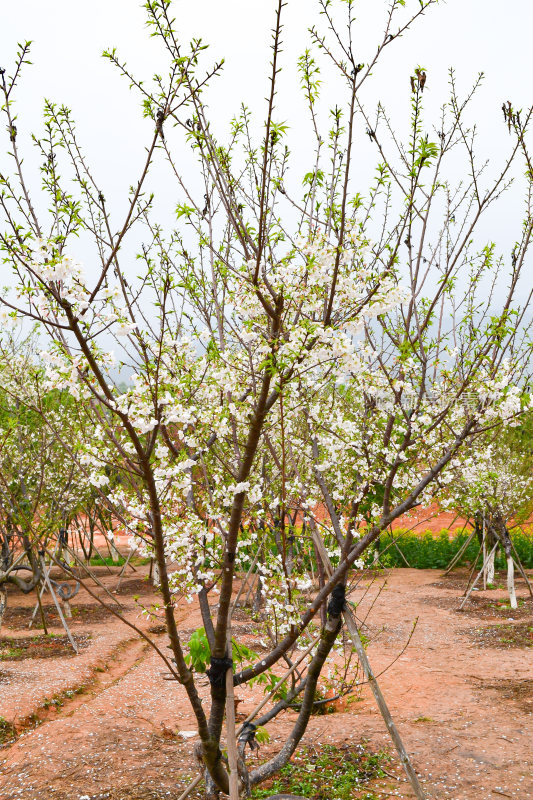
{"x":470,"y":35}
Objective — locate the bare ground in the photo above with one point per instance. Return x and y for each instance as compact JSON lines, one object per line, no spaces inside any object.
{"x":105,"y":725}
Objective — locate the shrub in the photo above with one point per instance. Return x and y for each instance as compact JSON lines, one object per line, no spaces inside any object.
{"x":429,"y":551}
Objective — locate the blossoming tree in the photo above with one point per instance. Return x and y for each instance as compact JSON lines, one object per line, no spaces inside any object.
{"x":493,"y":486}
{"x":299,"y":364}
{"x":40,"y":490}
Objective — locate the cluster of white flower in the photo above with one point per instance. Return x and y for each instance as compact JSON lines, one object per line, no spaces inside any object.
{"x":60,"y":277}
{"x":333,"y":427}
{"x":488,"y":478}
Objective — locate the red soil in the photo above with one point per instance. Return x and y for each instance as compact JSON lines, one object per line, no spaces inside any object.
{"x":464,"y":711}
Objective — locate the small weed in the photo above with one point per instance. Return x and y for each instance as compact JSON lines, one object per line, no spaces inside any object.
{"x":7,"y":731}
{"x":334,"y":772}
{"x":48,"y":646}
{"x":11,"y":654}
{"x":55,"y":702}
{"x":503,"y":635}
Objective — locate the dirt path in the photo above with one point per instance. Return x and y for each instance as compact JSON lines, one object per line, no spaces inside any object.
{"x":462,"y":695}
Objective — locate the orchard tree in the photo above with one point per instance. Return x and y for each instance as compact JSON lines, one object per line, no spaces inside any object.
{"x":492,"y":485}
{"x":299,"y":359}
{"x":41,"y":490}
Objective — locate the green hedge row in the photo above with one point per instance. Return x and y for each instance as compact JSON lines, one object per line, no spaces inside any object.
{"x":98,"y":561}
{"x":430,"y":551}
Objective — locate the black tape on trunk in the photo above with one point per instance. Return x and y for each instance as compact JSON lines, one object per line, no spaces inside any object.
{"x":217,"y":671}
{"x":337,"y":602}
{"x":248,"y":735}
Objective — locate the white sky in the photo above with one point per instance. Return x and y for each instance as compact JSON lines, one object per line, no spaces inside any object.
{"x":471,"y":35}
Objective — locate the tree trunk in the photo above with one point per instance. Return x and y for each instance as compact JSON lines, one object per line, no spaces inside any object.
{"x":258,"y":596}
{"x":490,"y":568}
{"x":231,"y":739}
{"x":321,"y":583}
{"x":3,"y":604}
{"x":506,"y":541}
{"x":156,"y":579}
{"x":115,"y":553}
{"x":510,"y":582}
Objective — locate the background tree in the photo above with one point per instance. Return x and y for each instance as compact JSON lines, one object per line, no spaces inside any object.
{"x":41,"y":491}
{"x":492,"y":485}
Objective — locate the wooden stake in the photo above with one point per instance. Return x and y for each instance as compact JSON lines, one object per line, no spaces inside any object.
{"x":231,"y":739}
{"x":190,"y":787}
{"x":351,"y":625}
{"x":38,"y":604}
{"x":474,"y":565}
{"x":41,"y":609}
{"x":470,"y":590}
{"x":521,"y":568}
{"x":458,"y":555}
{"x":123,"y":570}
{"x":484,"y":555}
{"x":3,"y":603}
{"x":58,"y":606}
{"x":402,"y":555}
{"x":91,"y":574}
{"x":382,"y":705}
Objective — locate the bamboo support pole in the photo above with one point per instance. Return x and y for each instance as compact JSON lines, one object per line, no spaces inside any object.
{"x":458,"y":555}
{"x":471,"y":589}
{"x":351,"y":625}
{"x":231,"y":739}
{"x":58,"y":606}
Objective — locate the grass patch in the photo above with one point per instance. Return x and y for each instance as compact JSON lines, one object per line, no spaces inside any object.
{"x":334,"y":772}
{"x":48,"y":646}
{"x":107,"y":561}
{"x":504,"y":637}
